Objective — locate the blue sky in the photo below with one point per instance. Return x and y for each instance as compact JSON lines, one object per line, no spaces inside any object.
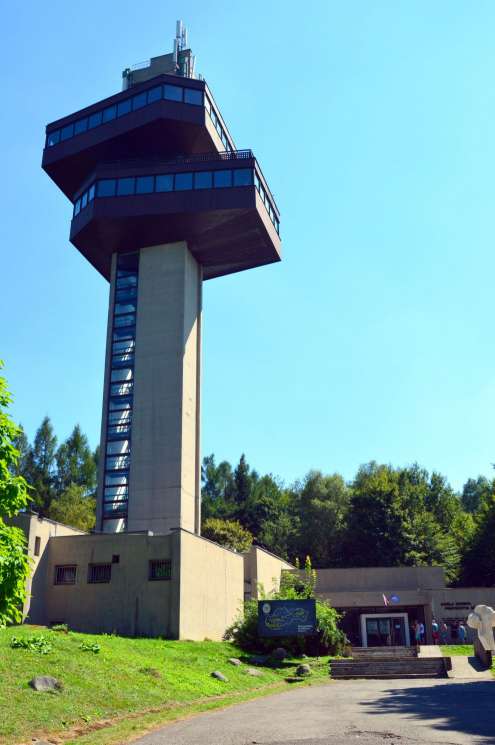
{"x":373,"y":123}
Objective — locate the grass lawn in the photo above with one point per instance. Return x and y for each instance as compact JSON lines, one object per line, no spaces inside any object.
{"x":453,"y":650}
{"x":129,"y":686}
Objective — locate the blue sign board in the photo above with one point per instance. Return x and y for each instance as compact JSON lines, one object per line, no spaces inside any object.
{"x":286,"y":617}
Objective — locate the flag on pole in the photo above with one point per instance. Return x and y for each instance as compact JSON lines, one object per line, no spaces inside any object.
{"x":385,"y":601}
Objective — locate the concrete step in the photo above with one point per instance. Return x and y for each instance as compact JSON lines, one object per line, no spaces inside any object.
{"x":429,"y":667}
{"x":378,"y":652}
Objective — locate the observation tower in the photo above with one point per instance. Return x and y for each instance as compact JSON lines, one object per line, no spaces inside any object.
{"x":162,"y":200}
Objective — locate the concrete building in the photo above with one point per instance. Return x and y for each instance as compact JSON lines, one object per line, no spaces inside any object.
{"x":162,"y":201}
{"x":178,"y":585}
{"x":380,"y":604}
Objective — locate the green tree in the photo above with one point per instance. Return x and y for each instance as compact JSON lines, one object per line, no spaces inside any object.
{"x":75,"y":508}
{"x":217,"y":489}
{"x":479,"y":559}
{"x":320,"y":507}
{"x":14,"y":566}
{"x":243,"y":483}
{"x":76,"y":463}
{"x":41,"y":466}
{"x":377,"y":526}
{"x":474,"y":492}
{"x":228,"y":533}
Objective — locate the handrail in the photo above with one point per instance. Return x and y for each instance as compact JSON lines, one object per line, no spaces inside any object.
{"x":178,"y":159}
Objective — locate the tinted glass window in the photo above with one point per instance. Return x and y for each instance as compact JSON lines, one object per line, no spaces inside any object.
{"x":173,"y":92}
{"x":203,"y":180}
{"x":165,"y":182}
{"x":67,"y":132}
{"x":222,"y":178}
{"x":125,"y":186}
{"x":53,"y":138}
{"x":129,"y":307}
{"x":95,"y":120}
{"x":109,"y":114}
{"x":139,"y":101}
{"x":77,"y":207}
{"x":80,"y":126}
{"x":124,"y":107}
{"x":84,"y":200}
{"x":243,"y":177}
{"x":121,"y":321}
{"x":154,"y":94}
{"x":123,"y":402}
{"x":144,"y":184}
{"x":120,"y":480}
{"x":106,"y":187}
{"x":127,"y":281}
{"x":192,"y":96}
{"x":91,"y":194}
{"x":183,"y":181}
{"x":117,"y":447}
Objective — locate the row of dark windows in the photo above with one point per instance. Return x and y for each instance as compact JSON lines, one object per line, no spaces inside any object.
{"x":120,"y":393}
{"x":132,"y":185}
{"x":66,"y":574}
{"x":166,"y":92}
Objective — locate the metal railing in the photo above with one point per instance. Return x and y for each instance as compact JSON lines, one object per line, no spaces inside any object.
{"x":179,"y":159}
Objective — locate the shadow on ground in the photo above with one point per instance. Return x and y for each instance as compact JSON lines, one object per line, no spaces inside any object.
{"x":464,"y":707}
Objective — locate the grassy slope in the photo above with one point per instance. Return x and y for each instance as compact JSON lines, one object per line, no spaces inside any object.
{"x":460,"y":650}
{"x":114,"y":685}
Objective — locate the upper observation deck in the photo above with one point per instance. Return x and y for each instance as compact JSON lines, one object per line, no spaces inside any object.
{"x":159,"y":118}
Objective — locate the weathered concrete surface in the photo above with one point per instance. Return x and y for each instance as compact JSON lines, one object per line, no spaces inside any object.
{"x":366,"y":712}
{"x":469,"y":668}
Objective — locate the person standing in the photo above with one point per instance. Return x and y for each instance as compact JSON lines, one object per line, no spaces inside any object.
{"x":462,"y":632}
{"x":435,"y":631}
{"x":422,"y":632}
{"x":417,"y":633}
{"x":444,"y":633}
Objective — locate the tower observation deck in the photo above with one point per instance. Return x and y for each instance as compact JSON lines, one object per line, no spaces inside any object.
{"x":162,"y":201}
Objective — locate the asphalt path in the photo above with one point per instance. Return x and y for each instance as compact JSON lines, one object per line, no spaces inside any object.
{"x":365,"y":712}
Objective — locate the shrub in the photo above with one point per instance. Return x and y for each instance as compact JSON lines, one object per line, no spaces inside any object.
{"x":228,"y":533}
{"x":90,"y":647}
{"x":61,"y":627}
{"x":33,"y":643}
{"x":329,"y":639}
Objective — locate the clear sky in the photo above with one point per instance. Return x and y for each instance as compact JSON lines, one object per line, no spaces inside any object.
{"x":374,"y":125}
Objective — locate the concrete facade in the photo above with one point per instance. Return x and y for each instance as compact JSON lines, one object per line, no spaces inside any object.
{"x":262,"y":572}
{"x":38,"y":532}
{"x":164,"y":487}
{"x":198,"y":597}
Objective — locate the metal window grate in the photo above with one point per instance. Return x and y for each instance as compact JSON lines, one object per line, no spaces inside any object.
{"x":99,"y":573}
{"x":160,"y":569}
{"x":65,"y":575}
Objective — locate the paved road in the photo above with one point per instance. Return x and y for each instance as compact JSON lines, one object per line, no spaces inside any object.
{"x":365,"y":712}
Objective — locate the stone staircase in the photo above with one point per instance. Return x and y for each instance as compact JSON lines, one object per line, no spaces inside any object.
{"x":389,"y":662}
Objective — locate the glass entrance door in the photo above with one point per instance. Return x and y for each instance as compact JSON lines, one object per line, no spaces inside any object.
{"x":385,"y":631}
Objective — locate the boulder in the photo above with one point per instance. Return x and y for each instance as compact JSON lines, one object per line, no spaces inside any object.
{"x":303,"y":670}
{"x":280,"y":653}
{"x":234,"y":661}
{"x":45,"y":683}
{"x":252,"y":671}
{"x":219,"y":676}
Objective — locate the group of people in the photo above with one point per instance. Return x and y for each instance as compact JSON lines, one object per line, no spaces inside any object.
{"x":440,"y":632}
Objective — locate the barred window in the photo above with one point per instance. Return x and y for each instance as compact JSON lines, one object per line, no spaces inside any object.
{"x":99,"y":573}
{"x":160,"y":569}
{"x":65,"y":574}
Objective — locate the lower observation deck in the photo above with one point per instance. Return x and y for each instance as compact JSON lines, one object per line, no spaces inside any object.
{"x":218,"y":202}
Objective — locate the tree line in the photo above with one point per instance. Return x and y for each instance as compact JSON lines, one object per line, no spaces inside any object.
{"x":384,"y":516}
{"x":62,"y":476}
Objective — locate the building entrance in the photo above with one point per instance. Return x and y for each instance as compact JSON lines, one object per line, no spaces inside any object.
{"x":385,"y":630}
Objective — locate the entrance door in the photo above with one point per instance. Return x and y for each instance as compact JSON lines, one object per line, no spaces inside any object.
{"x":385,"y":631}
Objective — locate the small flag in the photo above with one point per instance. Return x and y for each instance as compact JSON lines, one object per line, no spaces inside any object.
{"x":385,"y":601}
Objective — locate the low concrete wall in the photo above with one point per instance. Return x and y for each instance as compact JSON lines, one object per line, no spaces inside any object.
{"x":262,"y":572}
{"x":211,"y":587}
{"x":130,"y":604}
{"x":381,"y":579}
